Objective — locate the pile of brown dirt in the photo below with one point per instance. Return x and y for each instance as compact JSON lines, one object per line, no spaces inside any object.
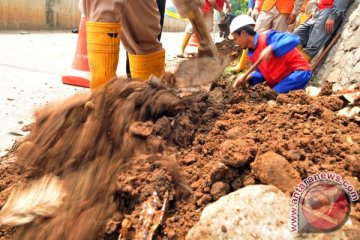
{"x":87,"y":141}
{"x":116,"y":147}
{"x":305,"y":130}
{"x":228,"y":48}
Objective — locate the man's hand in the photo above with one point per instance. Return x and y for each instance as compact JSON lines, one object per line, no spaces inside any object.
{"x":254,"y":14}
{"x":266,"y":53}
{"x":291,"y":19}
{"x":241,"y":80}
{"x":329,"y":25}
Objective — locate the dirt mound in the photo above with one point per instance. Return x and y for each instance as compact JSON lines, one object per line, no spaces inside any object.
{"x":213,"y":136}
{"x":228,"y":48}
{"x":117,"y":146}
{"x":305,"y":130}
{"x":87,"y":141}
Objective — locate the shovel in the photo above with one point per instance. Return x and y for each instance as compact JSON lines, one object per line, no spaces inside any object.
{"x":208,"y":67}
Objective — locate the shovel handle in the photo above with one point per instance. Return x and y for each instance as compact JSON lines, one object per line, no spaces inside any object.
{"x":252,"y":68}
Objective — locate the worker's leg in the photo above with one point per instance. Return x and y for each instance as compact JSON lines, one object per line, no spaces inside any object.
{"x":185,"y":40}
{"x":103,"y":38}
{"x":141,"y":28}
{"x":304,"y":31}
{"x":253,"y":82}
{"x":264,"y":21}
{"x":318,"y":37}
{"x":280,"y":20}
{"x":161,"y":6}
{"x":294,"y":81}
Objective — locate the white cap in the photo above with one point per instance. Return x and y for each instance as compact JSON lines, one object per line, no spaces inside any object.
{"x":240,"y":21}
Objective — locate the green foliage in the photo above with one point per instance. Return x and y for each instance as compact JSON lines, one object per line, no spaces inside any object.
{"x":314,"y":81}
{"x":239,"y":6}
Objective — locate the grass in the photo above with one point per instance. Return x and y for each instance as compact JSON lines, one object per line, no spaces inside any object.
{"x":314,"y":81}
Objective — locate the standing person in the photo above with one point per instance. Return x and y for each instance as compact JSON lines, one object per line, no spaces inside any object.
{"x":317,"y":31}
{"x":208,"y":12}
{"x":282,"y":66}
{"x":108,"y":21}
{"x":276,"y":14}
{"x":306,"y":12}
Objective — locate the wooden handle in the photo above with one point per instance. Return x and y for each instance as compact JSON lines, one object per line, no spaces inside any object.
{"x":325,"y":52}
{"x":250,"y":70}
{"x":206,"y":45}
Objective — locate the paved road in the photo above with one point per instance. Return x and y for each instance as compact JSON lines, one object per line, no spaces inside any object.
{"x":31,"y":65}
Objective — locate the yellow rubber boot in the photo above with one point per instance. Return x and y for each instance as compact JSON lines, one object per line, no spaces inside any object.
{"x":103,"y":42}
{"x":242,"y":62}
{"x":184,"y":43}
{"x":142,"y":66}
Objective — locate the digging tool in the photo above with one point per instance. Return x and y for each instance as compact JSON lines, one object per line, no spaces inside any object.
{"x":247,"y":73}
{"x":208,"y":67}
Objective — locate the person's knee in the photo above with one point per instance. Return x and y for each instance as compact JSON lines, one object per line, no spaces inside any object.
{"x":295,"y":81}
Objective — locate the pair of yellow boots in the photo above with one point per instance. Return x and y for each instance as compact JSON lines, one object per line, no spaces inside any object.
{"x":103,"y":45}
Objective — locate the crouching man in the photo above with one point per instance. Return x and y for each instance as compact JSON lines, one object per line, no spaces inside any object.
{"x":282,"y":66}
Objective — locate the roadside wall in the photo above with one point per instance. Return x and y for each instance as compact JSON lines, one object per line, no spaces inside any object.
{"x":54,"y":15}
{"x":38,"y":15}
{"x":342,"y":64}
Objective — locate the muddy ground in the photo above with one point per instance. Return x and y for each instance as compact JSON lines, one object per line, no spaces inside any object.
{"x":190,"y":150}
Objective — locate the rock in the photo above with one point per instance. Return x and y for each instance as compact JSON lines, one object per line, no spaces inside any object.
{"x":237,"y":183}
{"x":236,"y":153}
{"x":141,"y":129}
{"x":334,"y":76}
{"x":357,"y":55}
{"x":217,"y":94}
{"x":274,"y":169}
{"x":234,"y":132}
{"x":162,"y":127}
{"x":338,"y":57}
{"x":155,"y":144}
{"x":354,"y":42}
{"x":253,"y":212}
{"x":219,"y":189}
{"x":353,"y":163}
{"x":356,"y":69}
{"x":218,"y":171}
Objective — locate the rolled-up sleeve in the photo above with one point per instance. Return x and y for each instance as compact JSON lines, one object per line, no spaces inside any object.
{"x":338,"y":9}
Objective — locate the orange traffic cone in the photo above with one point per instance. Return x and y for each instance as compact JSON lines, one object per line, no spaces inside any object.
{"x":193,"y":41}
{"x":79,"y":74}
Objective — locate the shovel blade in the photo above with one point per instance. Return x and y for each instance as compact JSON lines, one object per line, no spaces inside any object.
{"x":200,"y":71}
